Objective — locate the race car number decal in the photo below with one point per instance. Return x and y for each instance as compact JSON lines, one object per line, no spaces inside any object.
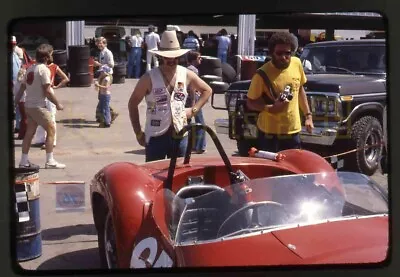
{"x":150,"y":243}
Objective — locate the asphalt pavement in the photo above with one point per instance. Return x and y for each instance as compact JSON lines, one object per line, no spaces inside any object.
{"x":69,"y":239}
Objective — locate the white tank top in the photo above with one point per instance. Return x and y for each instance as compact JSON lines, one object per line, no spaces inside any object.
{"x":163,"y":108}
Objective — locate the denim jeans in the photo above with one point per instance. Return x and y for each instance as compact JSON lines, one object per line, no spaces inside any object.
{"x":276,"y":143}
{"x":160,"y":147}
{"x":222,"y":55}
{"x":200,"y":134}
{"x":105,"y":107}
{"x":134,"y":62}
{"x":17,"y":118}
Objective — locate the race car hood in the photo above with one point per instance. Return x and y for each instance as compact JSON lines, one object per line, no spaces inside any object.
{"x":345,"y":84}
{"x":347,"y":241}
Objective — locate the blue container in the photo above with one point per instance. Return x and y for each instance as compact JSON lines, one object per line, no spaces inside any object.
{"x":28,"y":229}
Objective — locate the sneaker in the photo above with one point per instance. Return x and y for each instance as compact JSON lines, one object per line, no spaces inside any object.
{"x":29,"y":165}
{"x":103,"y":125}
{"x":114,"y":115}
{"x":54,"y":164}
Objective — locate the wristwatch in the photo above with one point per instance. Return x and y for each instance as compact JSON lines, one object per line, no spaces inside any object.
{"x":194,"y":110}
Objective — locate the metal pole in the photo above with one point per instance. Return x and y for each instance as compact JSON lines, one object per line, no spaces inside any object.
{"x":74,"y":33}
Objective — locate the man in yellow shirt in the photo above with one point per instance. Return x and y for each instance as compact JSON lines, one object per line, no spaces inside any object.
{"x":279,"y":122}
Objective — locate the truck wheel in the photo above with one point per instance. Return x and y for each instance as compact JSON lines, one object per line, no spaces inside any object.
{"x":366,"y":132}
{"x":244,"y":146}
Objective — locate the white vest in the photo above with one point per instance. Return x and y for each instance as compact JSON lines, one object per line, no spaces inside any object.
{"x":163,"y":108}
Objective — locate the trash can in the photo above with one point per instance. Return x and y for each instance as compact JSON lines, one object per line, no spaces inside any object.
{"x":249,"y":65}
{"x":28,"y":229}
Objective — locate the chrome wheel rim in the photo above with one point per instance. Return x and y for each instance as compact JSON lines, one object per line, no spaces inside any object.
{"x":109,"y":243}
{"x":372,"y":150}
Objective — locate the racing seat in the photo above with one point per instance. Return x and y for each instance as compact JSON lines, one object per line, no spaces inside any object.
{"x":201,"y":217}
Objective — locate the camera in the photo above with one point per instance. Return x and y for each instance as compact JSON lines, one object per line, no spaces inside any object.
{"x":286,"y":94}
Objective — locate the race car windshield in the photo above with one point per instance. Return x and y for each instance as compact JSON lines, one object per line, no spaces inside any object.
{"x":276,"y":202}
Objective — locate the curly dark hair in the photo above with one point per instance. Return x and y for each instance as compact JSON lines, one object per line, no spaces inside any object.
{"x":282,"y":38}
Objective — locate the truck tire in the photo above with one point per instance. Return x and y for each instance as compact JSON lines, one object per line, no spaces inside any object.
{"x":367,"y":131}
{"x":244,"y":145}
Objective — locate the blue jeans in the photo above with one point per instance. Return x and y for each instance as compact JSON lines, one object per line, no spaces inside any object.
{"x":222,"y":54}
{"x":160,"y":147}
{"x":276,"y":143}
{"x":200,"y":134}
{"x":134,"y":62}
{"x":104,"y":101}
{"x":17,"y":118}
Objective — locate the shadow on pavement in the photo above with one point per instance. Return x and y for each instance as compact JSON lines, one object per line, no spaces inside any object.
{"x":82,"y":259}
{"x":137,"y":152}
{"x":65,"y":232}
{"x":77,"y":126}
{"x":79,"y":123}
{"x":77,"y":120}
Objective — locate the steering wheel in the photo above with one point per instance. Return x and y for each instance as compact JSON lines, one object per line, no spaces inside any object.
{"x":250,"y":206}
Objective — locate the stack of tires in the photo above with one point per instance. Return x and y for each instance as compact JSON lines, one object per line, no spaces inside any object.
{"x":78,"y":66}
{"x":60,"y":59}
{"x":212,"y":71}
{"x":119,"y":73}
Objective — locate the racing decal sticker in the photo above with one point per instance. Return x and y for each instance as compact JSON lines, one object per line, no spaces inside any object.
{"x":155,"y":123}
{"x":149,"y":246}
{"x":151,"y":108}
{"x":179,"y":96}
{"x":162,"y":108}
{"x":180,"y":86}
{"x":158,"y":91}
{"x":161,"y":99}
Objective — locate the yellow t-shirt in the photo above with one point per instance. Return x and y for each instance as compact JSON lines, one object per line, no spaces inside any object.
{"x":288,"y":121}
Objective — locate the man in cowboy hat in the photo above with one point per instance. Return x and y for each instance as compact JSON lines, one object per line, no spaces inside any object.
{"x":165,"y":91}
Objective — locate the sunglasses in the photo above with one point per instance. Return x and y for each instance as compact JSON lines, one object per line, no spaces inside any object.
{"x":283,"y":53}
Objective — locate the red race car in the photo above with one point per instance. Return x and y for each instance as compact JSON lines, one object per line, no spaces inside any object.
{"x":237,"y":211}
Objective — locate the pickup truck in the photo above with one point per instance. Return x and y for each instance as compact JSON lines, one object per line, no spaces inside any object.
{"x":346,"y":91}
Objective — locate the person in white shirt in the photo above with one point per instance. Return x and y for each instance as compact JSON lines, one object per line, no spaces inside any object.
{"x":152,"y":41}
{"x":135,"y":56}
{"x":165,"y":91}
{"x":37,"y":84}
{"x":106,"y":56}
{"x":16,"y":48}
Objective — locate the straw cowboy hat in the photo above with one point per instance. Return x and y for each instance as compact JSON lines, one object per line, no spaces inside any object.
{"x":169,"y":46}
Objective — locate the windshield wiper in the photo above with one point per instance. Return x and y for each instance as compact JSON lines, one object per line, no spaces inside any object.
{"x":341,"y":68}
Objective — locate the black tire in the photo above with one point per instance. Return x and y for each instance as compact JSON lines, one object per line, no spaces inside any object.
{"x":211,"y":78}
{"x":213,"y":71}
{"x":219,"y":87}
{"x":244,"y":146}
{"x":229,"y":74}
{"x":106,"y":219}
{"x":119,"y":70}
{"x":366,"y":131}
